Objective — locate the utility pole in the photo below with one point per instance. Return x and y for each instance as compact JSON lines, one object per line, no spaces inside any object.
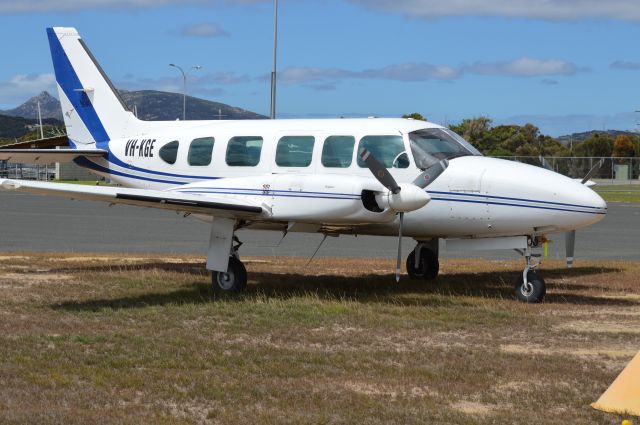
{"x":272,"y":114}
{"x":40,"y":121}
{"x":184,"y":88}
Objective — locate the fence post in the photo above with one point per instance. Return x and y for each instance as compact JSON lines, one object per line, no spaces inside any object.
{"x":612,"y":167}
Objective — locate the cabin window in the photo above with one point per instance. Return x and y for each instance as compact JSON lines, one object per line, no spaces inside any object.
{"x":337,"y":151}
{"x":169,"y":152}
{"x":295,"y":151}
{"x":200,"y":151}
{"x":244,"y":151}
{"x":389,"y":150}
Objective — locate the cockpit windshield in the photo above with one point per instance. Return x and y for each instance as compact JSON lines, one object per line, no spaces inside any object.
{"x":432,"y":145}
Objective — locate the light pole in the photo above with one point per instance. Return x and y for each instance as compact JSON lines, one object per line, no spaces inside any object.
{"x":272,"y":115}
{"x":184,"y":88}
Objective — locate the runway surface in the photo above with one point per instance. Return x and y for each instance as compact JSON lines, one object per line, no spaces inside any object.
{"x":38,"y":223}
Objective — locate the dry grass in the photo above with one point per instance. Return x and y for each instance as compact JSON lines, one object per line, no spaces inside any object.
{"x":120,"y":340}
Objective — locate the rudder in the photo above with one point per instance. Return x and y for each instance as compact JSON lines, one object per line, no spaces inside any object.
{"x":93,"y":110}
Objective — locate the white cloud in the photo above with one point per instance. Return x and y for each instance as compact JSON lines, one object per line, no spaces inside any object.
{"x":523,"y":67}
{"x":625,"y":65}
{"x":411,"y":72}
{"x":196,"y":83}
{"x":399,"y":72}
{"x":628,"y":10}
{"x":206,"y":30}
{"x":32,"y":6}
{"x":297,"y":75}
{"x":21,"y":87}
{"x":326,"y":78}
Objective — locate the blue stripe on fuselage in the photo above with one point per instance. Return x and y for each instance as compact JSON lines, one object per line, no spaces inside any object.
{"x":92,"y":165}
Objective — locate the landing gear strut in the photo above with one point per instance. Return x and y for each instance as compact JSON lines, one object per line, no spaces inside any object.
{"x":423,"y":262}
{"x":530,"y":287}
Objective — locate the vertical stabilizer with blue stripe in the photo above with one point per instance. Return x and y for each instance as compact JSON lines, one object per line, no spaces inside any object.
{"x":93,"y":110}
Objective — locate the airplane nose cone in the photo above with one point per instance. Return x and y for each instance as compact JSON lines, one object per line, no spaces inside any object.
{"x":579,"y":205}
{"x":520,"y":195}
{"x":596,"y":200}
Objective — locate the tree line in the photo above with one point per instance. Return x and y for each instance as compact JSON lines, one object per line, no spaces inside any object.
{"x":526,"y":140}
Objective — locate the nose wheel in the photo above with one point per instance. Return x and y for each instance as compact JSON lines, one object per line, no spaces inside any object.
{"x":533,"y":290}
{"x":530,"y":286}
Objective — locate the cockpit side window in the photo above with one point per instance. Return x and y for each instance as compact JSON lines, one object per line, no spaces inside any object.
{"x":435,"y":144}
{"x":169,"y":152}
{"x":389,"y":150}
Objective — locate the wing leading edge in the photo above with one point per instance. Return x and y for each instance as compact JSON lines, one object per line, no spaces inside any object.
{"x":213,"y":205}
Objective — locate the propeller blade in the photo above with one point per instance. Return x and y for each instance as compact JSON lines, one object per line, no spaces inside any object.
{"x":593,"y":170}
{"x":430,"y":174}
{"x":399,"y":262}
{"x":379,"y":171}
{"x":570,"y":245}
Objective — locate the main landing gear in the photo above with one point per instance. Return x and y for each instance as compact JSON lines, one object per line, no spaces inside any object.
{"x":530,"y":287}
{"x":423,"y":262}
{"x":235,"y":278}
{"x":228,"y":274}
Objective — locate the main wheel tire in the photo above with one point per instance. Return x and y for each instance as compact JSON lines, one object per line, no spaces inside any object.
{"x":428,"y":266}
{"x":234,"y":280}
{"x":535,"y":291}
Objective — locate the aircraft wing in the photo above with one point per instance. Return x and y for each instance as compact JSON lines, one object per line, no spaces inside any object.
{"x":214,"y":205}
{"x":47,"y":156}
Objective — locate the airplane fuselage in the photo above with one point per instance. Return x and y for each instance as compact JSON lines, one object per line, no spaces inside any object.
{"x":475,"y":197}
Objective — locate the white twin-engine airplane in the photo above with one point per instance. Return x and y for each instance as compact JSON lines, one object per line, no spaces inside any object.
{"x":338,"y":176}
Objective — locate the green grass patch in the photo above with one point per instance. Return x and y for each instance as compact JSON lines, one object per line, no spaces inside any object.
{"x":619,"y":193}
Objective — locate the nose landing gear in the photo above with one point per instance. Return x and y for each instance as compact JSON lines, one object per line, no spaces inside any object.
{"x":530,"y":286}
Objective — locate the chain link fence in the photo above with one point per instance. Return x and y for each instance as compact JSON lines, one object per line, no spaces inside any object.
{"x":613,"y":170}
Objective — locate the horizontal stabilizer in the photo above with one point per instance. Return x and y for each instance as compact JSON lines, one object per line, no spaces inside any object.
{"x":48,"y":156}
{"x":214,"y":205}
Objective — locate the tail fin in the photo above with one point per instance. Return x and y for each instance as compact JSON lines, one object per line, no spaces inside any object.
{"x":93,"y":110}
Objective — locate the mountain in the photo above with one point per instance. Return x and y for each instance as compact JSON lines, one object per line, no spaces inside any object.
{"x":581,"y":137}
{"x":151,"y":106}
{"x":49,"y":107}
{"x":163,"y":106}
{"x":16,"y":127}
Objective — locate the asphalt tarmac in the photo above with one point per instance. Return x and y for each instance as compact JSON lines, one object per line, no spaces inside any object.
{"x":48,"y":224}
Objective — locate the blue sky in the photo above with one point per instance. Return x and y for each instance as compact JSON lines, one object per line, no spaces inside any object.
{"x":564,"y":65}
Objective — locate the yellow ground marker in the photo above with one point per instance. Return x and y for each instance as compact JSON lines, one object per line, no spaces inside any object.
{"x":623,"y":396}
{"x":627,"y":422}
